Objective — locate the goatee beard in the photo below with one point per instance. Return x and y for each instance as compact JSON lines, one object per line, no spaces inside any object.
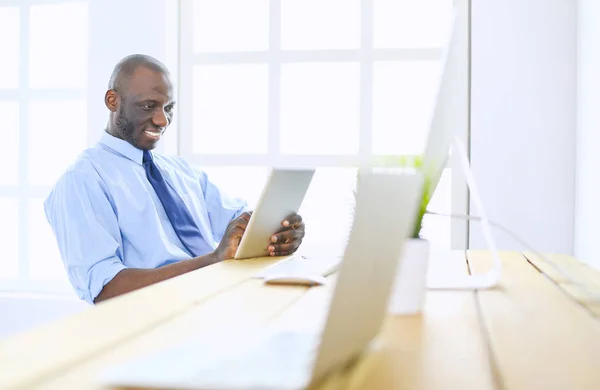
{"x":125,"y":127}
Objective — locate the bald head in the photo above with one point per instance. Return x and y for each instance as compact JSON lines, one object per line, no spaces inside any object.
{"x":140,"y":101}
{"x":125,"y":69}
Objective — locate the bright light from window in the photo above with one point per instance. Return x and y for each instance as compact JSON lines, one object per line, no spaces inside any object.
{"x":320,"y":24}
{"x":9,"y":158}
{"x":403,"y":97}
{"x":230,"y":25}
{"x":411,"y":23}
{"x":9,"y":238}
{"x":230,"y":109}
{"x":239,"y":182}
{"x":58,"y":35}
{"x":9,"y":47}
{"x":57,"y":134}
{"x":320,"y":108}
{"x":328,"y":211}
{"x":319,"y":101}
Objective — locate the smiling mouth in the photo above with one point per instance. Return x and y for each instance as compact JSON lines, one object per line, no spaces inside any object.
{"x":155,"y":134}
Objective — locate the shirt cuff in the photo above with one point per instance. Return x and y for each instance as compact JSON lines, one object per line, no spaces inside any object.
{"x":100,"y":274}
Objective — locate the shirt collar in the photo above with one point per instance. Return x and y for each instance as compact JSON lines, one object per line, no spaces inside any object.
{"x":122,"y":147}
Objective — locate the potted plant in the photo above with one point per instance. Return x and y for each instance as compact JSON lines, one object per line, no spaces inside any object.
{"x":408,"y":293}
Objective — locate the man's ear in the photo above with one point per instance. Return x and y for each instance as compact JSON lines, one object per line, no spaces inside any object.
{"x":111,"y":100}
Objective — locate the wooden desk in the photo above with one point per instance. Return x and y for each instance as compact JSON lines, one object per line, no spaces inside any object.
{"x":537,"y":331}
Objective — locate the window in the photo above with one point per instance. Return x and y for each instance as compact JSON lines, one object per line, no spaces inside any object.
{"x":326,"y":83}
{"x":43,"y":104}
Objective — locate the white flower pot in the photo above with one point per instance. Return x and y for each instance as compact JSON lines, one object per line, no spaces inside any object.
{"x":410,"y":285}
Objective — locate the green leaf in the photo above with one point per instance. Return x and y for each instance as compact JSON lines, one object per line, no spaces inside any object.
{"x":415,"y":162}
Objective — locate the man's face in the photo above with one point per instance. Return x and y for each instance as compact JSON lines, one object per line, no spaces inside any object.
{"x":144,"y":108}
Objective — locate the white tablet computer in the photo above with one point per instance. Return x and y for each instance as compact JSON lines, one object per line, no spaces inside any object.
{"x":282,"y":195}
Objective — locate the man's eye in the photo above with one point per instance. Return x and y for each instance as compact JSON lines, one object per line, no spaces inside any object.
{"x":169,"y":109}
{"x":147,"y":106}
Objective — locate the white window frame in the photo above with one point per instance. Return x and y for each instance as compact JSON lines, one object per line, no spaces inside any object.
{"x":179,"y":141}
{"x":274,"y":57}
{"x":25,"y":191}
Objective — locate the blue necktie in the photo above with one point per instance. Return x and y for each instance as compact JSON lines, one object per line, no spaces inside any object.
{"x":181,"y":220}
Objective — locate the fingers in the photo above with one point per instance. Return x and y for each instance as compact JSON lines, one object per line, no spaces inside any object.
{"x":236,"y":232}
{"x":230,"y":242}
{"x":284,"y":249}
{"x":238,"y":226}
{"x":246,"y":215}
{"x":287,"y":240}
{"x":241,"y":221}
{"x":293,"y":220}
{"x":287,"y":235}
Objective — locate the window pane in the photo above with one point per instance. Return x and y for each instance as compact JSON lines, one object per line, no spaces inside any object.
{"x":320,"y":24}
{"x":411,"y":23}
{"x":230,"y":109}
{"x":9,"y":158}
{"x":328,"y":211}
{"x":320,"y":108}
{"x":9,"y":238}
{"x":9,"y":47}
{"x":435,"y":228}
{"x":403,"y":97}
{"x":57,"y":134}
{"x":239,"y":182}
{"x":44,"y":258}
{"x":58,"y":45}
{"x":231,"y":25}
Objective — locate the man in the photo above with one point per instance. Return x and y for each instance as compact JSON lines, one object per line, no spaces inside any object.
{"x":125,"y":217}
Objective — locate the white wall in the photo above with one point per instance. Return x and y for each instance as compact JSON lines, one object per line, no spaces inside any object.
{"x":587,"y":205}
{"x":523,"y":95}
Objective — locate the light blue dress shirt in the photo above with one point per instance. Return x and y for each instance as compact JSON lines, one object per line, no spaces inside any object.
{"x":107,"y":217}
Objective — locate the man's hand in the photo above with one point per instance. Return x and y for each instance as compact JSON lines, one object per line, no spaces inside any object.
{"x":287,"y":240}
{"x":231,"y":239}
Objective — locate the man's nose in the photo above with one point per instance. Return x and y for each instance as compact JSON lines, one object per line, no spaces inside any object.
{"x":160,"y":118}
